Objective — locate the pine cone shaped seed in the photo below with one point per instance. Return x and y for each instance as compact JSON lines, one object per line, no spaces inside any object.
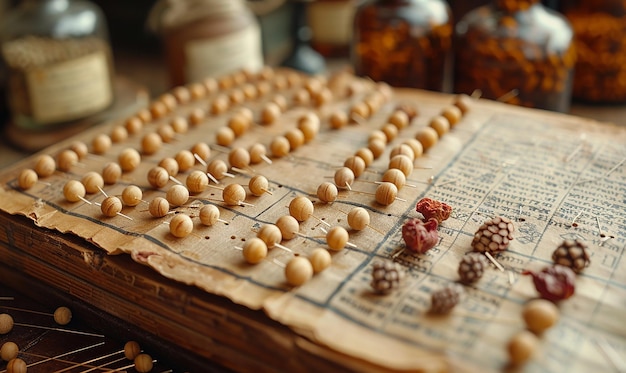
{"x":386,"y":276}
{"x":494,"y":235}
{"x":472,"y":267}
{"x":444,"y":299}
{"x":573,"y":254}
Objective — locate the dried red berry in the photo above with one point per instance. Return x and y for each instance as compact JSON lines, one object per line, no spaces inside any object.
{"x":419,"y":236}
{"x":432,"y":209}
{"x":554,"y":283}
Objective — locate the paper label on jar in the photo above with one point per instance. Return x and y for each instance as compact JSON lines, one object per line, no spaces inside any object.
{"x":224,"y":54}
{"x":69,"y":90}
{"x":331,"y":22}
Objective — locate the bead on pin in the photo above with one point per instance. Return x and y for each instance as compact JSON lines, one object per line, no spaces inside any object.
{"x":337,"y":238}
{"x":28,"y":178}
{"x":209,"y":215}
{"x":302,"y":209}
{"x":7,"y":323}
{"x":259,"y":185}
{"x":234,"y":195}
{"x":111,"y":206}
{"x":74,"y":191}
{"x":62,"y":315}
{"x":258,"y":154}
{"x":272,"y":236}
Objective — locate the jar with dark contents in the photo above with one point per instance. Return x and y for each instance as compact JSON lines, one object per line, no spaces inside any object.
{"x":517,"y":51}
{"x":600,"y":39}
{"x":58,"y":62}
{"x":406,"y":43}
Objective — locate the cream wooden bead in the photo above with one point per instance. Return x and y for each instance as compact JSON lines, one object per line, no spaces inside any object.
{"x":27,"y":179}
{"x":169,"y":101}
{"x":233,"y":194}
{"x":201,"y":149}
{"x":16,"y":365}
{"x":119,"y":134}
{"x":254,"y":250}
{"x":74,"y":191}
{"x":62,"y":315}
{"x":239,"y":124}
{"x":101,"y":144}
{"x":390,"y":131}
{"x":217,"y":168}
{"x":386,"y":193}
{"x":111,"y":206}
{"x":298,"y":271}
{"x":279,"y":100}
{"x":327,"y":192}
{"x":377,"y":135}
{"x":129,"y":159}
{"x":185,"y":160}
{"x":402,"y":149}
{"x":197,"y":181}
{"x":197,"y":90}
{"x":399,"y":119}
{"x":323,"y":97}
{"x":182,"y":94}
{"x":210,"y":84}
{"x":250,"y":92}
{"x":66,"y":159}
{"x":320,"y":259}
{"x":338,"y":119}
{"x":344,"y":177}
{"x":143,"y":363}
{"x":45,"y":165}
{"x":301,"y":208}
{"x":358,"y":218}
{"x":270,"y":113}
{"x":144,"y":115}
{"x":377,"y":147}
{"x":539,"y":315}
{"x":453,"y":114}
{"x":521,"y":347}
{"x":6,"y":323}
{"x":402,"y":163}
{"x":151,"y":143}
{"x":224,"y":136}
{"x":166,"y":132}
{"x":181,"y":225}
{"x":356,"y":164}
{"x":159,"y":207}
{"x":239,"y":158}
{"x":279,"y":147}
{"x":158,"y":177}
{"x":463,"y":102}
{"x":416,"y":146}
{"x":209,"y":215}
{"x":309,"y":124}
{"x":337,"y":238}
{"x":133,"y":125}
{"x":301,"y":97}
{"x":170,"y":165}
{"x":196,"y":116}
{"x":177,"y":195}
{"x":179,"y":125}
{"x":111,"y":173}
{"x":270,"y":234}
{"x":289,"y":226}
{"x":258,"y":153}
{"x":246,"y":113}
{"x":359,"y":110}
{"x":440,"y":124}
{"x":132,"y":195}
{"x":236,"y":96}
{"x":80,"y":148}
{"x":8,"y":351}
{"x":295,"y":137}
{"x":396,"y":177}
{"x":258,"y":185}
{"x":131,"y":350}
{"x":93,"y":182}
{"x":158,"y":110}
{"x":366,"y":155}
{"x":427,"y":136}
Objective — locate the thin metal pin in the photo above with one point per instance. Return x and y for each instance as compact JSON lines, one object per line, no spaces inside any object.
{"x":84,"y":364}
{"x":59,"y":330}
{"x":573,"y":223}
{"x":199,"y":159}
{"x":64,"y":354}
{"x":494,"y":261}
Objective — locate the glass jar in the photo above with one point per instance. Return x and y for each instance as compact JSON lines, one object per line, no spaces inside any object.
{"x":331,"y":25}
{"x":517,"y":49}
{"x":58,"y":62}
{"x":600,"y":38}
{"x":207,"y":38}
{"x":406,"y":43}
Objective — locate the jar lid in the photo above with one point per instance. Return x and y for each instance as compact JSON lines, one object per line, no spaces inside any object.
{"x":168,"y":14}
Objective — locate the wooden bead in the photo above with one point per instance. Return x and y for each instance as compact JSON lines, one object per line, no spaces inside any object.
{"x":338,"y":119}
{"x":129,"y":159}
{"x":258,"y":153}
{"x":254,"y":250}
{"x":280,"y":100}
{"x":440,"y":124}
{"x":169,"y":101}
{"x":366,"y":155}
{"x":16,"y":365}
{"x":209,"y":215}
{"x":62,"y":315}
{"x":197,"y":90}
{"x":217,"y":168}
{"x":245,"y":113}
{"x":6,"y":323}
{"x":166,"y":132}
{"x":344,"y":177}
{"x":177,"y":195}
{"x":220,"y":104}
{"x":313,"y":85}
{"x":320,"y":259}
{"x":309,"y":124}
{"x":279,"y":147}
{"x":111,"y":206}
{"x":358,"y":218}
{"x":181,"y":225}
{"x":27,"y":179}
{"x":8,"y":351}
{"x":151,"y":143}
{"x":144,"y":115}
{"x":45,"y":165}
{"x":289,"y":226}
{"x":233,"y":194}
{"x":224,"y":136}
{"x":158,"y":177}
{"x":270,"y":234}
{"x":301,"y":97}
{"x":294,"y":79}
{"x":182,"y":94}
{"x":132,"y":195}
{"x":377,"y":147}
{"x":185,"y":160}
{"x":390,"y":131}
{"x":143,"y":363}
{"x":131,"y":350}
{"x":202,"y":150}
{"x":73,"y":190}
{"x":226,"y":82}
{"x":236,"y":96}
{"x":270,"y":113}
{"x":210,"y":84}
{"x":101,"y":144}
{"x":119,"y":134}
{"x":356,"y":164}
{"x":327,"y":192}
{"x":170,"y":165}
{"x":250,"y":92}
{"x":280,"y":83}
{"x":239,"y":124}
{"x":111,"y":173}
{"x":399,"y":119}
{"x":301,"y":208}
{"x":359,"y":110}
{"x":159,"y":207}
{"x":453,"y":114}
{"x":295,"y":138}
{"x":80,"y":148}
{"x":416,"y":146}
{"x":93,"y":182}
{"x":158,"y":109}
{"x":402,"y":149}
{"x":197,"y":181}
{"x":239,"y":158}
{"x":298,"y":271}
{"x":323,"y":97}
{"x":197,"y":116}
{"x":66,"y":159}
{"x":133,"y":125}
{"x":258,"y":185}
{"x":337,"y":238}
{"x":463,"y":102}
{"x":521,"y":347}
{"x":402,"y":163}
{"x":386,"y":193}
{"x":395,"y":176}
{"x":539,"y":315}
{"x":427,"y":136}
{"x":377,"y":135}
{"x":179,"y":125}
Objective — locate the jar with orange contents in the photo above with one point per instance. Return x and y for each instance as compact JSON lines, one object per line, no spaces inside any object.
{"x":406,"y":43}
{"x":517,"y":49}
{"x":600,"y":38}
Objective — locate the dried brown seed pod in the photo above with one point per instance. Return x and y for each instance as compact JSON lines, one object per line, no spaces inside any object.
{"x":386,"y":276}
{"x":431,"y":208}
{"x":573,"y":254}
{"x":472,"y":267}
{"x":446,"y":298}
{"x":418,"y":236}
{"x":494,"y":235}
